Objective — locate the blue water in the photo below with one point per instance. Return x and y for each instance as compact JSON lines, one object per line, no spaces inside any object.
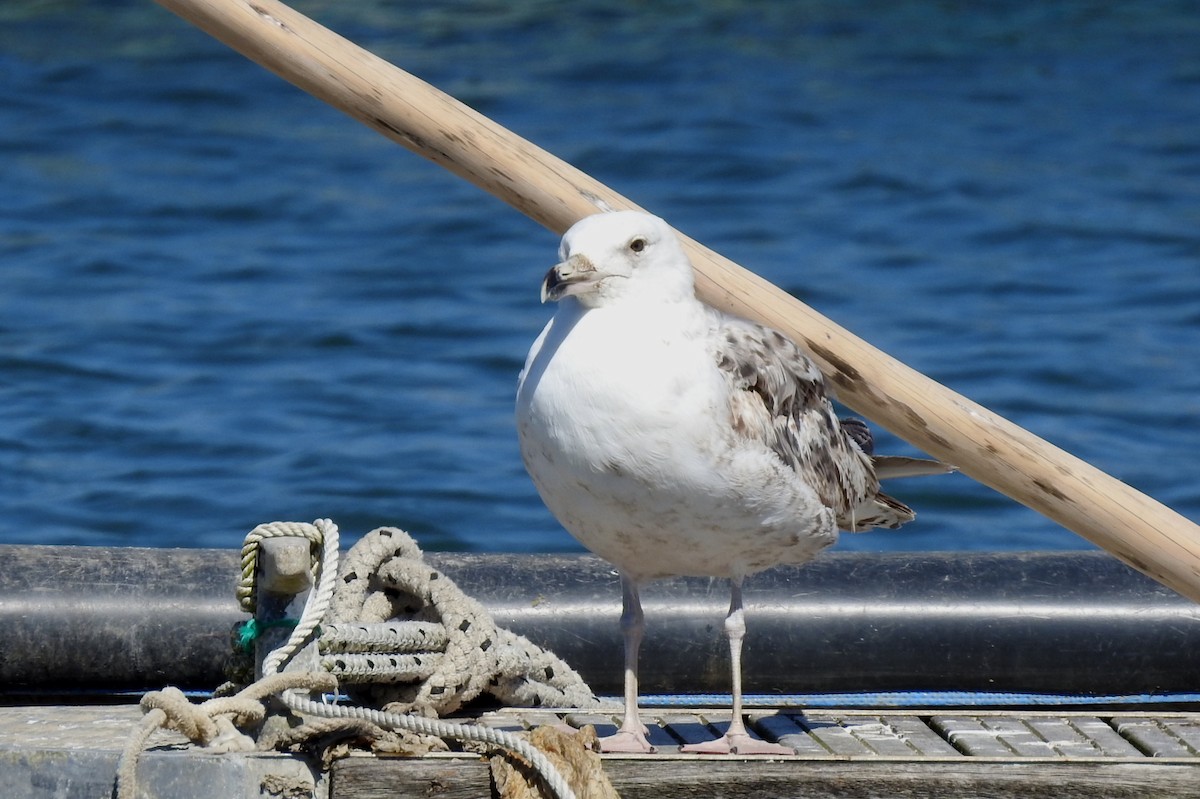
{"x":224,"y":303}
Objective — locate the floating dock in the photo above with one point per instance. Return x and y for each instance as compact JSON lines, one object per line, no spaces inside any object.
{"x":1102,"y":656}
{"x":72,"y":751}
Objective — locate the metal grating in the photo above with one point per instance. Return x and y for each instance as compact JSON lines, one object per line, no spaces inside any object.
{"x":914,"y":735}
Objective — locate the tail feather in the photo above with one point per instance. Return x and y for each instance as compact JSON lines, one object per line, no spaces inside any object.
{"x":879,"y":511}
{"x":891,"y":467}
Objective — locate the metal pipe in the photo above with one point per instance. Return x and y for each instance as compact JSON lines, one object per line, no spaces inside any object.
{"x":82,"y":619}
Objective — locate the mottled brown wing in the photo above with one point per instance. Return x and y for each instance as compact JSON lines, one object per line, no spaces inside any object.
{"x":779,"y":398}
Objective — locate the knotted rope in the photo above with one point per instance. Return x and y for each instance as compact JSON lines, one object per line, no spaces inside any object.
{"x":212,"y":724}
{"x":414,"y":642}
{"x":397,"y":630}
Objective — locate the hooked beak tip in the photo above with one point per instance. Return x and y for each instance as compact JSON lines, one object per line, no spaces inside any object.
{"x":572,"y":276}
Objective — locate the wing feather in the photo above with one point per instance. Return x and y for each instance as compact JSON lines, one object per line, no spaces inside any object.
{"x":779,"y":397}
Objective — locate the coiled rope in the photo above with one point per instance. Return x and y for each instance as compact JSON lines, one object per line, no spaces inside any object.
{"x":447,"y":652}
{"x":352,"y":615}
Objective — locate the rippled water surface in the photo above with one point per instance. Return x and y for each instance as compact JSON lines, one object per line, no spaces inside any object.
{"x":224,"y":303}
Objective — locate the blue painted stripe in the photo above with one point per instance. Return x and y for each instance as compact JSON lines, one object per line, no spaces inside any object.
{"x":913,"y":699}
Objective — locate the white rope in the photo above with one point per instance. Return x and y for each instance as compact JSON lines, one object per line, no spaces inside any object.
{"x":381,"y":668}
{"x":211,"y":724}
{"x":388,"y":636}
{"x":411,"y":650}
{"x":315,"y":610}
{"x":441,"y":729}
{"x":384,"y":583}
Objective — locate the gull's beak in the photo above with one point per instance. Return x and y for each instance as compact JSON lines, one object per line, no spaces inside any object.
{"x":576,"y":275}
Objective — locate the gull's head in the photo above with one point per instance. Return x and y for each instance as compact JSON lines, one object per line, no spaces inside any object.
{"x":605,"y":257}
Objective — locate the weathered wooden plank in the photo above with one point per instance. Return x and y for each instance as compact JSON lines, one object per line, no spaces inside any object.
{"x":519,"y":720}
{"x":1159,"y":737}
{"x":1036,"y":735}
{"x":969,"y":735}
{"x":365,"y":777}
{"x":917,"y":734}
{"x":837,"y":739}
{"x":1105,"y":736}
{"x":1188,"y":731}
{"x":879,"y":737}
{"x":789,"y":730}
{"x":1017,"y":734}
{"x":901,"y":736}
{"x":735,"y":778}
{"x":507,"y":722}
{"x":605,"y":724}
{"x":689,"y":728}
{"x":1081,"y":737}
{"x":861,"y":734}
{"x":869,"y":735}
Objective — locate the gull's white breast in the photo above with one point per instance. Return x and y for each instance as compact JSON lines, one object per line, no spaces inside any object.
{"x":625,"y":427}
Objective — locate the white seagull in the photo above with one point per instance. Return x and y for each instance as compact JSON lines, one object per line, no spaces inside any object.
{"x":672,"y":439}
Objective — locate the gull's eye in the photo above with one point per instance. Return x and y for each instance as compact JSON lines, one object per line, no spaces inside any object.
{"x":638,"y":244}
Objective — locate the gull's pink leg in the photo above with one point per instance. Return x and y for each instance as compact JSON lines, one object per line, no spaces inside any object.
{"x":736,"y":740}
{"x":631,"y":736}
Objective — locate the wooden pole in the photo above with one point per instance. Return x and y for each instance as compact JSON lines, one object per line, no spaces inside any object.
{"x":1140,"y":531}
